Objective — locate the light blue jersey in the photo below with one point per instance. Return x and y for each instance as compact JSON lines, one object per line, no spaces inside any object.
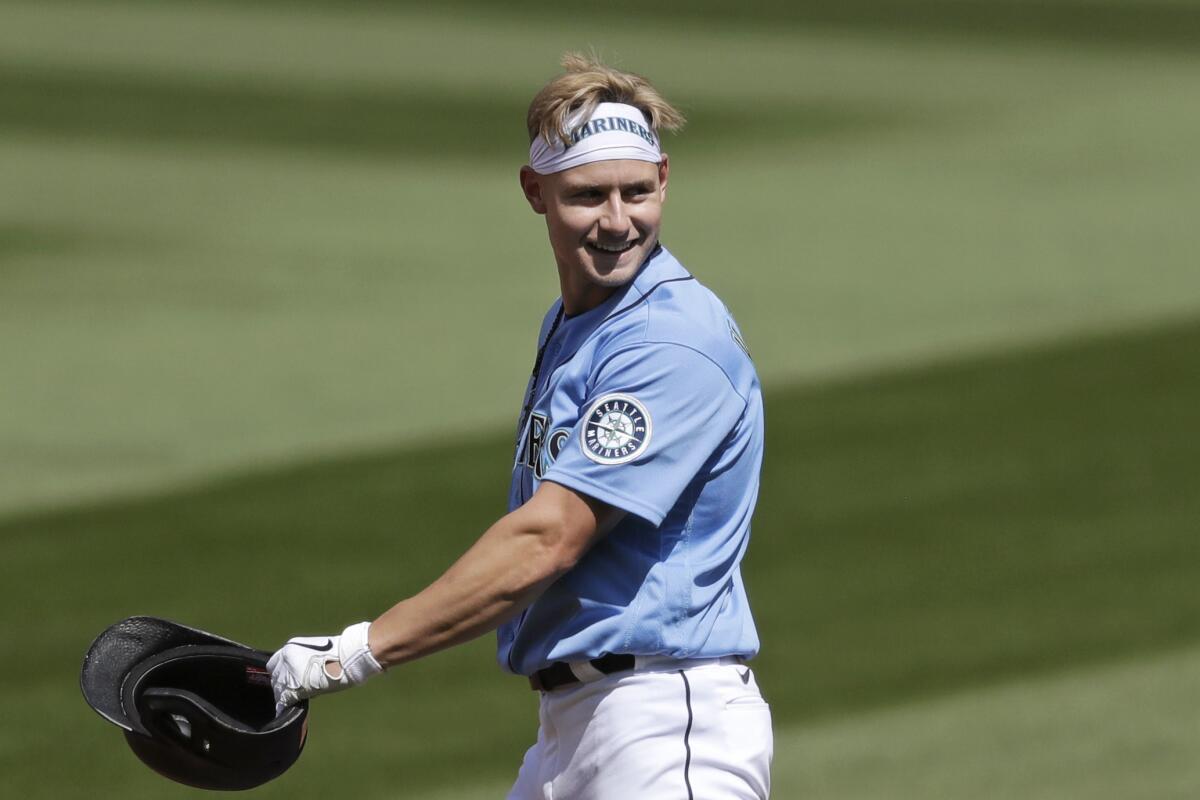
{"x":650,"y":403}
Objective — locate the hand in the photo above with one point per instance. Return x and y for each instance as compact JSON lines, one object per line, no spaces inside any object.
{"x":311,"y":665}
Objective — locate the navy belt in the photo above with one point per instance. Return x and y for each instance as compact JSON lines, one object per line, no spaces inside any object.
{"x":560,"y":673}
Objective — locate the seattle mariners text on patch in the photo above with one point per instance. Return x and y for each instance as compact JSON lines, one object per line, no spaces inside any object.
{"x":616,"y":430}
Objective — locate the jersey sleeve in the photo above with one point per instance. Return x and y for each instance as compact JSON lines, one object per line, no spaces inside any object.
{"x":653,"y":416}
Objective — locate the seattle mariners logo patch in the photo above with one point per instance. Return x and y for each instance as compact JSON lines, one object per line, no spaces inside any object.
{"x":615,"y":430}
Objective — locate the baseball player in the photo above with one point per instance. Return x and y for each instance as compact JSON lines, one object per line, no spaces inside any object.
{"x":613,"y":582}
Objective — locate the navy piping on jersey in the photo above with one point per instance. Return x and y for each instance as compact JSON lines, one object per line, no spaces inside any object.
{"x":536,"y":376}
{"x":629,"y":307}
{"x":687,"y":744}
{"x":537,"y":366}
{"x":558,"y":319}
{"x":649,"y":292}
{"x":532,"y":400}
{"x":534,"y":379}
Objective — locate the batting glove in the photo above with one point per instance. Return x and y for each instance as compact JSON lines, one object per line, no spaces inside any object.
{"x":300,"y":669}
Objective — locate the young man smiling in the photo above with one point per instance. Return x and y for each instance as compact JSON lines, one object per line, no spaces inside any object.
{"x":603,"y":220}
{"x":614,"y":581}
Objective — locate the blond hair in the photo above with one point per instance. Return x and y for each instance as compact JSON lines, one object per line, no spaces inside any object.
{"x":586,"y":83}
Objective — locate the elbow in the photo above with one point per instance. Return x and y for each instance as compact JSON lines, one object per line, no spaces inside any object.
{"x":559,"y":542}
{"x":558,"y":553}
{"x":558,"y":527}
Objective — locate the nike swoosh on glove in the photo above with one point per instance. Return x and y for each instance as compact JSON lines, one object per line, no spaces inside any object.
{"x":300,"y":669}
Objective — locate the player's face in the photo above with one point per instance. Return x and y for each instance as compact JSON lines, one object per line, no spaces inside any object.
{"x":603,"y":219}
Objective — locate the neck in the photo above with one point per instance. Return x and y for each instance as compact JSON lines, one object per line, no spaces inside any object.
{"x":578,"y":299}
{"x":580,"y":295}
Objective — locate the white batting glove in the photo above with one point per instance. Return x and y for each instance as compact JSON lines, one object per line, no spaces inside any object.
{"x":300,"y":669}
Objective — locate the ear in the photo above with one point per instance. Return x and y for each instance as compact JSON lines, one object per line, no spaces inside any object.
{"x":664,"y":171}
{"x":531,"y":185}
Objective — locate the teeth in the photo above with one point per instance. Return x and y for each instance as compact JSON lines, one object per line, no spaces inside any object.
{"x":620,"y":248}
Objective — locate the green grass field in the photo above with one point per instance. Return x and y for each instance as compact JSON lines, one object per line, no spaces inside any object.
{"x":268,"y":296}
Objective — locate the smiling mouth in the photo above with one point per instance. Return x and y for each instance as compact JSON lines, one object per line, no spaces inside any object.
{"x":614,"y":249}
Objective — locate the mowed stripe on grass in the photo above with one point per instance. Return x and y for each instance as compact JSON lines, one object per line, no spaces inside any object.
{"x":1113,"y":23}
{"x":923,"y":532}
{"x":241,"y":236}
{"x":1103,"y":733}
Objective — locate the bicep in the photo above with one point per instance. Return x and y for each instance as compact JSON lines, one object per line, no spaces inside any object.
{"x":578,"y":519}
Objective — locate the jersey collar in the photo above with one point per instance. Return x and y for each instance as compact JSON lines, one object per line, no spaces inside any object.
{"x":659,"y":267}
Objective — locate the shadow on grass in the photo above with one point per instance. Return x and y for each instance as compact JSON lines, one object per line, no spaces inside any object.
{"x":917,"y":532}
{"x":1122,"y":23}
{"x":137,"y":107}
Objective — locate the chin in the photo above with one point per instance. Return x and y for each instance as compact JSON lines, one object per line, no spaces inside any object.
{"x":619,"y":273}
{"x":612,"y":278}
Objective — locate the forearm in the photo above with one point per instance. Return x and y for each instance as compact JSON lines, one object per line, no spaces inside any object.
{"x":502,"y":573}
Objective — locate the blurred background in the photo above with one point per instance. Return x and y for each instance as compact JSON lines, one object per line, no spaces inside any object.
{"x":269,"y":297}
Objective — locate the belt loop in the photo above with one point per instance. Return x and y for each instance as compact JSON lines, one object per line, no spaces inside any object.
{"x":584,"y":671}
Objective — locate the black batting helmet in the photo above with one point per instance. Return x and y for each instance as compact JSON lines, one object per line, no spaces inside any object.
{"x":195,"y":707}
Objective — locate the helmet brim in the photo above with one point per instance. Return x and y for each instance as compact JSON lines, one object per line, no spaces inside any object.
{"x":118,"y":649}
{"x":195,"y":707}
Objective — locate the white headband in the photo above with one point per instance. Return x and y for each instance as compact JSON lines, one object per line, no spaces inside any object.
{"x":614,"y":131}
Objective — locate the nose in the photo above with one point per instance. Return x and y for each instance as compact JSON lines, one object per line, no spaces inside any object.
{"x":613,"y":217}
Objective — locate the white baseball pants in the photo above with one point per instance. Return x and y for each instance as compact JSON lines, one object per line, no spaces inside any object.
{"x":698,"y":733}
